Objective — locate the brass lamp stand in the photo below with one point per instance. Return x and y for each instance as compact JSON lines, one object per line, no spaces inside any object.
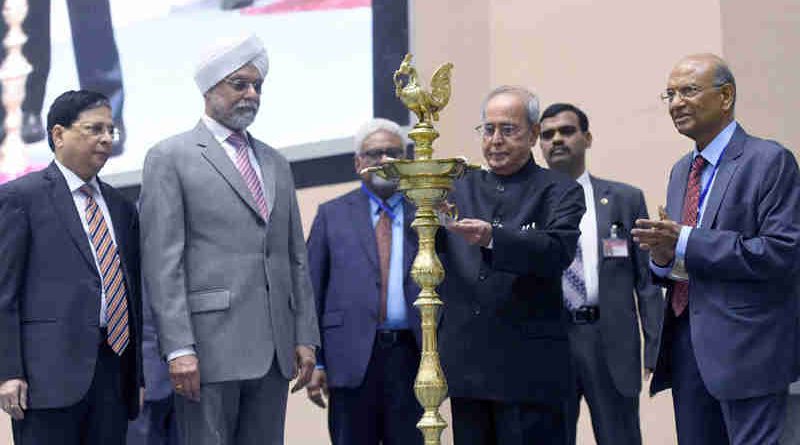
{"x":426,"y":182}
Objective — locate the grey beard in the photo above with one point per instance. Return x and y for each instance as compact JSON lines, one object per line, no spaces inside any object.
{"x":239,"y":118}
{"x":384,"y":188}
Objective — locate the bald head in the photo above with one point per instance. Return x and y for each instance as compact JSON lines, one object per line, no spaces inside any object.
{"x":721,"y":72}
{"x":701,"y":93}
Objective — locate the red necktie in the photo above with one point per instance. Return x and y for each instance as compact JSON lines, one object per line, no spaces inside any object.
{"x":110,"y":271}
{"x":248,"y":173}
{"x":680,"y":289}
{"x":383,"y":236}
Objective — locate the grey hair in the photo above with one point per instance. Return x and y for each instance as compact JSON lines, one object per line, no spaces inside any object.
{"x":724,"y":75}
{"x":373,"y":126}
{"x":530,"y":100}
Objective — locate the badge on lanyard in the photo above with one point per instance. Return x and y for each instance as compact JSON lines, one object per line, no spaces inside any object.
{"x":614,"y":246}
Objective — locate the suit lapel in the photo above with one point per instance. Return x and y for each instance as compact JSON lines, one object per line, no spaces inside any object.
{"x":267,"y":166}
{"x":216,"y":156}
{"x":675,"y":195}
{"x":601,"y":211}
{"x":362,"y":220}
{"x":728,"y":165}
{"x":65,"y":208}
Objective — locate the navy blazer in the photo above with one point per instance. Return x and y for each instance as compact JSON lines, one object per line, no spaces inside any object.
{"x":345,"y":274}
{"x":742,"y":263}
{"x":50,"y":291}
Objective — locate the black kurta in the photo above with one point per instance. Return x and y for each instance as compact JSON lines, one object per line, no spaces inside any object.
{"x":503,"y":332}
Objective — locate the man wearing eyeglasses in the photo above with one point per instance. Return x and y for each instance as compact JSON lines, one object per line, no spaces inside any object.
{"x":503,"y":333}
{"x":70,"y":306}
{"x":727,"y":251}
{"x":360,"y":252}
{"x":600,"y":285}
{"x":225,"y":263}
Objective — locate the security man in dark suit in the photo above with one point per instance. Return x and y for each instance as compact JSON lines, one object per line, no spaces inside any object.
{"x":70,"y":307}
{"x":607,"y":288}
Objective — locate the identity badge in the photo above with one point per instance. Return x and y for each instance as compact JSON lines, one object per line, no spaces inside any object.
{"x":614,"y":246}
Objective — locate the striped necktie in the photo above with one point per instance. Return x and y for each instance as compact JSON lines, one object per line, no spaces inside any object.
{"x":111,"y":273}
{"x":248,"y":173}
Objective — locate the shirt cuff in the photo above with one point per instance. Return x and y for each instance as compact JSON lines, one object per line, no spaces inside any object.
{"x":491,"y":244}
{"x":320,"y":367}
{"x":683,"y":240}
{"x":189,"y":350}
{"x":661,"y":271}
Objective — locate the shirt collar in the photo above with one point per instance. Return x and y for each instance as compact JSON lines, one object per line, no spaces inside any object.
{"x":74,"y":182}
{"x":714,"y":150}
{"x":219,"y":131}
{"x":583,"y":179}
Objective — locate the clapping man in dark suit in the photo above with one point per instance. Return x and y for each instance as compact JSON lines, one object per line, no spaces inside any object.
{"x":360,"y":252}
{"x":502,"y":291}
{"x":70,"y":312}
{"x":728,"y":251}
{"x":602,"y":287}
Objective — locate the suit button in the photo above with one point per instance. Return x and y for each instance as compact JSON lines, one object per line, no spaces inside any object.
{"x":482,"y":276}
{"x":476,"y":310}
{"x":501,"y":188}
{"x":496,"y":222}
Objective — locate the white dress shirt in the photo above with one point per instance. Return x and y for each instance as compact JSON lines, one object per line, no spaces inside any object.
{"x":221,"y":134}
{"x":74,"y":183}
{"x":588,"y":240}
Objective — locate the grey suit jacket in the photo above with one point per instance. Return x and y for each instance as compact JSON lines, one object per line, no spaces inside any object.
{"x":218,"y":276}
{"x":619,"y":280}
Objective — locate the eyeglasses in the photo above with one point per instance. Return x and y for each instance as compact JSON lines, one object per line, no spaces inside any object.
{"x":241,"y":85}
{"x":566,"y":131}
{"x":487,"y":130}
{"x":98,"y":129}
{"x":686,"y":92}
{"x":376,"y":154}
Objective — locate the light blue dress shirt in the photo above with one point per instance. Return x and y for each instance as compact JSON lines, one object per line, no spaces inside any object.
{"x":395,"y":298}
{"x":712,"y":153}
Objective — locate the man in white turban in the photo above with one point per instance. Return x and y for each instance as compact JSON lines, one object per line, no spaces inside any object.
{"x":225,"y":262}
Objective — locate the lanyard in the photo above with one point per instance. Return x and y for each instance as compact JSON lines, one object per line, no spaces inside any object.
{"x":707,"y":186}
{"x":381,"y":203}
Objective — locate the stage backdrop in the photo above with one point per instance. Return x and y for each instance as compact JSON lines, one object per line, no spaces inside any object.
{"x":331,"y":63}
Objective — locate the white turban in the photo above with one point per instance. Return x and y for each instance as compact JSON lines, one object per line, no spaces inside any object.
{"x":224,"y":59}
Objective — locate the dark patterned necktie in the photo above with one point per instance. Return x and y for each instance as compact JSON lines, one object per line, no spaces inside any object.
{"x":574,"y":283}
{"x":680,"y":289}
{"x":383,"y":236}
{"x":111,"y":273}
{"x":248,"y":173}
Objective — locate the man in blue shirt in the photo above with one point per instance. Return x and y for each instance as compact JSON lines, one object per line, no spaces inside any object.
{"x":727,"y":250}
{"x":360,"y":252}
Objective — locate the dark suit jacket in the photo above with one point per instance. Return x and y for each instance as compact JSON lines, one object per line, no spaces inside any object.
{"x":50,"y":291}
{"x":619,"y":280}
{"x":742,"y":263}
{"x":343,"y":261}
{"x":503,"y":335}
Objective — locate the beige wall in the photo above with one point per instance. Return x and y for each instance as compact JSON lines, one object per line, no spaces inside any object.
{"x":760,"y":41}
{"x":611,"y":58}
